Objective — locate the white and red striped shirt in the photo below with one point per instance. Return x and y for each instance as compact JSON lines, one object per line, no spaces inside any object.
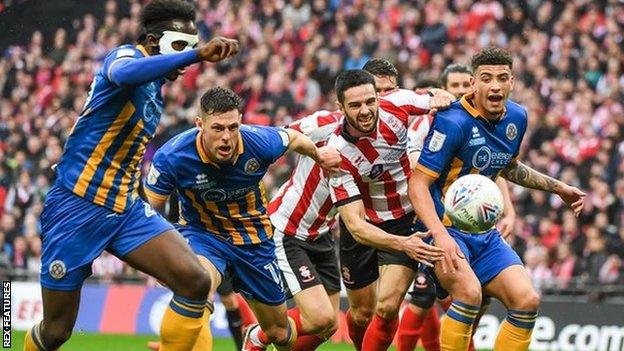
{"x":376,"y":167}
{"x":302,"y":207}
{"x":417,"y":133}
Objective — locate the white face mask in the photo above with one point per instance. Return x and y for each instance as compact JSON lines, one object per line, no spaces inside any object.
{"x":169,"y":37}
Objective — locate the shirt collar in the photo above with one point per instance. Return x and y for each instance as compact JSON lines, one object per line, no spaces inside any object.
{"x":142,"y":49}
{"x":467,"y":104}
{"x":199,"y":145}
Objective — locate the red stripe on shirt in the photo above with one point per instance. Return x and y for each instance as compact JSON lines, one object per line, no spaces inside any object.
{"x":364,"y":191}
{"x":322,"y":215}
{"x":367,"y":149}
{"x":312,"y":181}
{"x":277,"y":202}
{"x":392,"y":196}
{"x":386,"y":132}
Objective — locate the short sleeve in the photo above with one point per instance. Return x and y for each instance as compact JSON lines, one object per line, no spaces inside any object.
{"x":342,"y":188}
{"x":160,"y":181}
{"x":441,"y":145}
{"x":273,"y":142}
{"x":317,"y":126}
{"x":417,"y":133}
{"x":406,"y":104}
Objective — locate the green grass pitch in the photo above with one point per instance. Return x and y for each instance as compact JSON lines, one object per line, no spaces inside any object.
{"x":111,"y":342}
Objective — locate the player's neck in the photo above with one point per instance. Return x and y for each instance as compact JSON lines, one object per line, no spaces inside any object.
{"x":488,"y":116}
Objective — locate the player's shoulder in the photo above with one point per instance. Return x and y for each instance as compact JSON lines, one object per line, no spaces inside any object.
{"x":455,"y":114}
{"x":122,"y":51}
{"x":258,"y":138}
{"x":398,"y":94}
{"x":515,"y":110}
{"x":179,"y":145}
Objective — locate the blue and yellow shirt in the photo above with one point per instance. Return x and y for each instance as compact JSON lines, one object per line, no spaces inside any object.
{"x":461,"y":142}
{"x":102,"y":157}
{"x":225,"y":199}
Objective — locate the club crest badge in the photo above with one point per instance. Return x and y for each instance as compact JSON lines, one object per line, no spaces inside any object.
{"x":57,"y":269}
{"x":251,"y":166}
{"x":512,"y":131}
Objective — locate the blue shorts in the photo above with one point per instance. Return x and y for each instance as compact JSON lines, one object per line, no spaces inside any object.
{"x":75,"y":231}
{"x":253,"y":268}
{"x":488,"y":254}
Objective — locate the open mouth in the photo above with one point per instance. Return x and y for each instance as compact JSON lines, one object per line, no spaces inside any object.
{"x":224,"y":150}
{"x":365,"y":120}
{"x":495,"y":98}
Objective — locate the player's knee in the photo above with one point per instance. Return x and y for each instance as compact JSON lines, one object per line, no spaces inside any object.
{"x":362,"y":315}
{"x":388,"y":306}
{"x":323,"y":322}
{"x":196,"y":285}
{"x":277,"y":334}
{"x":387,"y":310}
{"x":55,"y":334}
{"x":528,"y":302}
{"x":469,"y":293}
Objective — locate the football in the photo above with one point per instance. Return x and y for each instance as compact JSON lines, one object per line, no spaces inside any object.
{"x":474,"y":203}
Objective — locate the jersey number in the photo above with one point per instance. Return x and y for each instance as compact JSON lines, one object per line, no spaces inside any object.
{"x":273,"y":268}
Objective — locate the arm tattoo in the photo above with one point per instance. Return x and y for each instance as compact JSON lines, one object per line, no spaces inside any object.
{"x":526,"y":176}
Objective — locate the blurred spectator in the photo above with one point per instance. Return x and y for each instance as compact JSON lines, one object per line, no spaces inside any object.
{"x":535,"y":260}
{"x":565,"y":265}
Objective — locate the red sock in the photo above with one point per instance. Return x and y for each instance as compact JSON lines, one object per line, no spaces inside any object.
{"x":409,"y":330}
{"x":356,"y":332}
{"x":247,"y":316}
{"x":308,"y":342}
{"x":431,"y":331}
{"x":380,"y":333}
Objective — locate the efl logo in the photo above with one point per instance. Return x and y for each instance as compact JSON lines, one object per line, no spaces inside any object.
{"x":6,"y":314}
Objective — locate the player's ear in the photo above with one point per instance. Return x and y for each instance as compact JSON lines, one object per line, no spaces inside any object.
{"x":199,"y":123}
{"x":340,"y":107}
{"x":472,"y":81}
{"x":511,"y":80}
{"x":152,"y":42}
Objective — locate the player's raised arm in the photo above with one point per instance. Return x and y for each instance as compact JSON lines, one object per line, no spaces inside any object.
{"x":327,"y":157}
{"x":137,"y":71}
{"x":526,"y":176}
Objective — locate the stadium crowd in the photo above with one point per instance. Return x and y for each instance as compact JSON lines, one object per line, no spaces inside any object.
{"x":569,"y":69}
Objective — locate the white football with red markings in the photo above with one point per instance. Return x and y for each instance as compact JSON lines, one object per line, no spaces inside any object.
{"x":474,"y":203}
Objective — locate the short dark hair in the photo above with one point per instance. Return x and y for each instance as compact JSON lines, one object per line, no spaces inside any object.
{"x":220,"y":100}
{"x":492,"y":56}
{"x":453,"y":68}
{"x":426,"y":83}
{"x":352,"y":78}
{"x":381,"y":67}
{"x":157,"y":15}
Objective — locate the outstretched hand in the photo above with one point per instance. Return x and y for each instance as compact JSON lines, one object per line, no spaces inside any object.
{"x":573,"y":197}
{"x":218,"y":49}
